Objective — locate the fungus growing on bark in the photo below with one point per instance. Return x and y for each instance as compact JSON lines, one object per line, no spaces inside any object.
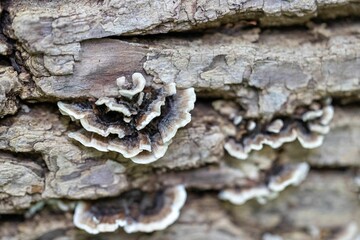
{"x":140,"y":123}
{"x":288,"y":175}
{"x":307,"y":124}
{"x":135,"y":211}
{"x":240,"y":196}
{"x":228,"y":109}
{"x":280,"y":178}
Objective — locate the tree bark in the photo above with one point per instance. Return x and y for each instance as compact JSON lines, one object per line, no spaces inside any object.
{"x":272,"y":59}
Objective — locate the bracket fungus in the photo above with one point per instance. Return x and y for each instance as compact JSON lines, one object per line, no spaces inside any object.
{"x":139,"y":123}
{"x":280,"y":178}
{"x":135,"y":211}
{"x":307,"y":124}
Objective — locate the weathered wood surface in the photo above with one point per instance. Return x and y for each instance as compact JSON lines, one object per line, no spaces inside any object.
{"x":75,"y":50}
{"x":73,"y":21}
{"x":301,"y":67}
{"x":308,"y":212}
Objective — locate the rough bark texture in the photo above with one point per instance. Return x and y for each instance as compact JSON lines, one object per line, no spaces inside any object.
{"x":271,"y":58}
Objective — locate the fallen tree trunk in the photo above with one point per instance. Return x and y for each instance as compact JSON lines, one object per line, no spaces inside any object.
{"x":258,"y":89}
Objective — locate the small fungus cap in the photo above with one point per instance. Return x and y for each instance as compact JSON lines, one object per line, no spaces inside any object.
{"x":288,"y":175}
{"x":279,"y":178}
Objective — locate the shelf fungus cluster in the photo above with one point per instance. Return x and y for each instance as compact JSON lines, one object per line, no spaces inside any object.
{"x":139,"y":123}
{"x":135,"y":211}
{"x":307,"y":124}
{"x":279,"y":178}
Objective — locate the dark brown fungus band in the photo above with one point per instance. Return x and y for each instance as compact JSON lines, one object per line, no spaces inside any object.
{"x":308,"y":124}
{"x":135,"y":211}
{"x":140,"y":123}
